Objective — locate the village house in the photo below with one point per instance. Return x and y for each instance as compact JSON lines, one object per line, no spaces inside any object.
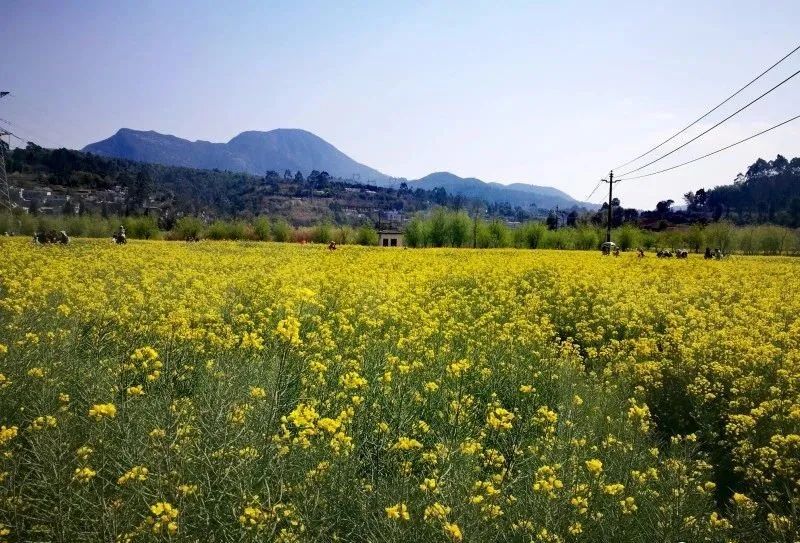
{"x":390,"y":238}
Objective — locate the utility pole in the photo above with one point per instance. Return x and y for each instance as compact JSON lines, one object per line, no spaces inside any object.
{"x":5,"y":196}
{"x":610,"y":182}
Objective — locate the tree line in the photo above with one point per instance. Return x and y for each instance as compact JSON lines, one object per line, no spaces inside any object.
{"x":446,"y":228}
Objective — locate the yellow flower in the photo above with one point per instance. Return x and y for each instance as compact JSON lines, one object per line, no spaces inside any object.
{"x":613,"y":489}
{"x":135,"y":391}
{"x":136,"y":473}
{"x":37,"y":373}
{"x":436,"y":511}
{"x":628,"y":505}
{"x":406,"y":444}
{"x":163,"y":517}
{"x":84,"y":452}
{"x":452,"y":531}
{"x":741,"y":499}
{"x":251,"y":340}
{"x":46,"y":421}
{"x":594,"y":466}
{"x":352,"y":380}
{"x":103,"y":410}
{"x":187,"y":490}
{"x":428,"y":485}
{"x":398,"y":512}
{"x":257,"y":392}
{"x":289,"y":331}
{"x":500,"y":419}
{"x":329,"y":425}
{"x":84,"y":475}
{"x":7,"y":433}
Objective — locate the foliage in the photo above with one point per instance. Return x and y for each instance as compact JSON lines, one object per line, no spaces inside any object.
{"x":366,"y":235}
{"x":188,"y":228}
{"x":281,"y":231}
{"x":261,"y":228}
{"x":174,"y":191}
{"x":628,"y":237}
{"x":164,"y":391}
{"x":529,"y":235}
{"x":322,"y":233}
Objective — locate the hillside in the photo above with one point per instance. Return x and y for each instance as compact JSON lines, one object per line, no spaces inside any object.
{"x":56,"y":181}
{"x":298,"y":150}
{"x":517,"y":194}
{"x":250,"y":152}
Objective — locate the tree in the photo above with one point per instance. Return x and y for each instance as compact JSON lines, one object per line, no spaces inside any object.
{"x":499,"y":236}
{"x":698,"y":202}
{"x":459,"y":229}
{"x":572,"y":218}
{"x":415,"y":233}
{"x":287,"y":175}
{"x":617,"y":216}
{"x":794,"y":212}
{"x":758,"y":167}
{"x":664,"y":206}
{"x":630,"y":215}
{"x":552,"y":221}
{"x":780,"y":163}
{"x":142,"y":187}
{"x":439,"y":195}
{"x":694,"y":238}
{"x":438,"y":232}
{"x":298,"y":177}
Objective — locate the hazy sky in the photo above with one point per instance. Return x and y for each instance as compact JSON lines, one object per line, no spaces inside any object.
{"x":552,"y":93}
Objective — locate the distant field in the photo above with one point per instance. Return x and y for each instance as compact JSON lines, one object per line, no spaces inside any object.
{"x":224,"y":391}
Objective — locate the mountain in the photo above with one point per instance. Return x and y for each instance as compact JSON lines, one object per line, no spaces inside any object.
{"x":293,"y":149}
{"x":516,"y":194}
{"x":251,"y":152}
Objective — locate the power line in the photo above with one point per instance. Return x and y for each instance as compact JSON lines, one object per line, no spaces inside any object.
{"x":712,"y":110}
{"x":711,"y":153}
{"x":701,"y":134}
{"x":594,"y":189}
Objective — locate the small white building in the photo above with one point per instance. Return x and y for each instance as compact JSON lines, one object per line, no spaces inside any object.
{"x":390,"y":238}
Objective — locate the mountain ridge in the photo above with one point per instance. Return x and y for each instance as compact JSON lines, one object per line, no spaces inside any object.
{"x":295,"y":149}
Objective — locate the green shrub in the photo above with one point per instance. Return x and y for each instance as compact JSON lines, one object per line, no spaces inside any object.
{"x":261,"y":228}
{"x":281,"y":231}
{"x":188,"y":227}
{"x":366,"y":235}
{"x":322,"y":233}
{"x":529,"y":235}
{"x":415,"y":234}
{"x":627,"y":237}
{"x":586,"y":238}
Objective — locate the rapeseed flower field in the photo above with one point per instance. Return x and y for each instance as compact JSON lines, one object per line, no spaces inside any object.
{"x":265,"y":392}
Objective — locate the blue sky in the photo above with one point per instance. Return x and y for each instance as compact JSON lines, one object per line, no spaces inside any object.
{"x":550,"y":93}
